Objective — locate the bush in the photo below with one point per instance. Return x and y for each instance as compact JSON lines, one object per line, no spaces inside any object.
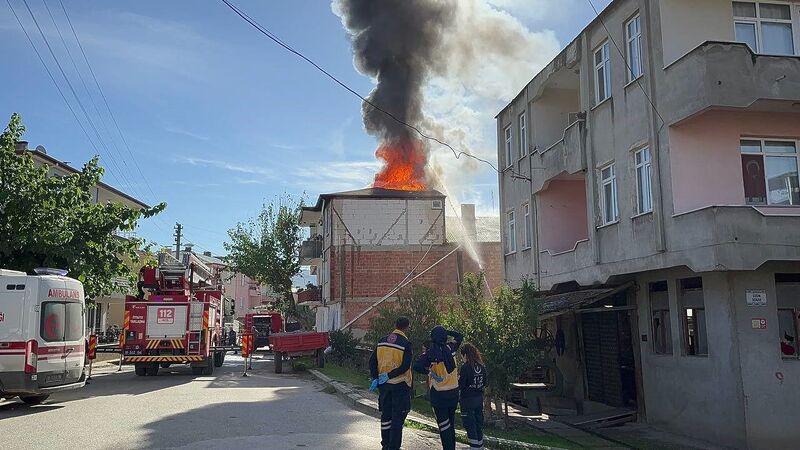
{"x":343,"y":347}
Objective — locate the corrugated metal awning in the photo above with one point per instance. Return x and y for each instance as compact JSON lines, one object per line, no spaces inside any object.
{"x":557,"y":304}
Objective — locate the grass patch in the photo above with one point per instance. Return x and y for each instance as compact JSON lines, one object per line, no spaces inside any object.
{"x":421,"y":406}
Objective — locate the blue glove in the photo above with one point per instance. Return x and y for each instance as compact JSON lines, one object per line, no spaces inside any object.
{"x":374,"y":385}
{"x":436,"y":377}
{"x":383,"y":378}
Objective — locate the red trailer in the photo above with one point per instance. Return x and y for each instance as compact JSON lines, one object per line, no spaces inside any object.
{"x":173,"y":320}
{"x":289,"y":345}
{"x":262,"y":325}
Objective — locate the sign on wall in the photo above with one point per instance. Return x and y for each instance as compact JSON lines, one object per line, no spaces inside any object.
{"x":756,"y":297}
{"x":758,"y":324}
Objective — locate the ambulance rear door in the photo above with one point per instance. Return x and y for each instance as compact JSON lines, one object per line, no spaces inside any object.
{"x":12,"y":323}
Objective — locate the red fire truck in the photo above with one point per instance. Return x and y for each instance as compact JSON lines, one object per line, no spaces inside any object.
{"x":175,"y":319}
{"x":261,"y":325}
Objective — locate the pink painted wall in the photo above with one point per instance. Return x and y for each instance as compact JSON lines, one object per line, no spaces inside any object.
{"x":562,"y":215}
{"x":705,"y":158}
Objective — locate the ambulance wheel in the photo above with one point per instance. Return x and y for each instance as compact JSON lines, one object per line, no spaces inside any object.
{"x":33,"y":399}
{"x":140,"y":369}
{"x":278,"y":362}
{"x":219,"y":359}
{"x":151,"y":370}
{"x":320,"y":358}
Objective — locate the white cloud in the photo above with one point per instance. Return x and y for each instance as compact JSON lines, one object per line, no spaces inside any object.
{"x":335,"y":176}
{"x":226,"y":165}
{"x":181,"y":131}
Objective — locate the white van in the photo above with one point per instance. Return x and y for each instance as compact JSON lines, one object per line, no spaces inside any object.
{"x":42,"y":334}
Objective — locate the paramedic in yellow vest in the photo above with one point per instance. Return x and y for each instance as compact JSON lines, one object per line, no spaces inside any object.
{"x":390,"y":369}
{"x":439,"y":363}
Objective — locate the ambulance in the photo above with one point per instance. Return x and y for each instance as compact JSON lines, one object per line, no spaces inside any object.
{"x":42,"y":334}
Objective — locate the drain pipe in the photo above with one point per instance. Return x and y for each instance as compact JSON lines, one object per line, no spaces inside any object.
{"x":399,"y":286}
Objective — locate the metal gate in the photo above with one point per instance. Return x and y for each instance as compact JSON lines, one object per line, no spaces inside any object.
{"x":601,"y":337}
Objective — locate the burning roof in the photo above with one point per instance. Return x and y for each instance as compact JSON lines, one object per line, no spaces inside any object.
{"x":377,"y":193}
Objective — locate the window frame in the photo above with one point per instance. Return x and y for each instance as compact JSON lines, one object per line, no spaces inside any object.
{"x":764,"y":155}
{"x":522,"y":123}
{"x":526,"y":210}
{"x":65,"y":322}
{"x":667,"y":338}
{"x":758,"y":22}
{"x":605,"y":64}
{"x":648,"y":165}
{"x":629,"y":40}
{"x":684,"y":317}
{"x":511,"y":232}
{"x":611,"y":180}
{"x":509,"y":145}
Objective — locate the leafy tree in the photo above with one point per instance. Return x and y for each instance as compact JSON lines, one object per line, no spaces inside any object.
{"x":53,"y":221}
{"x":267,"y":250}
{"x":504,"y":329}
{"x":422,"y":305}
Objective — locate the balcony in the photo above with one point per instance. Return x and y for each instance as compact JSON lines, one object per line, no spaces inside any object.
{"x":567,"y":156}
{"x":729,"y":75}
{"x":311,"y":252}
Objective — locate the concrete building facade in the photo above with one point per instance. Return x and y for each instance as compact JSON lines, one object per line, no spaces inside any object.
{"x":658,"y":153}
{"x":365,"y":243}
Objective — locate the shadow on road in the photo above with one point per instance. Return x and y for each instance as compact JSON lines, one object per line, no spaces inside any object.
{"x":15,"y":408}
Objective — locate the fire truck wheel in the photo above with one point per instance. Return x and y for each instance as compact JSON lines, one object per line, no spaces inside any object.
{"x":208,"y":369}
{"x":33,"y":399}
{"x":198,"y":370}
{"x":152,"y":370}
{"x":278,"y":362}
{"x":165,"y":365}
{"x":219,"y":359}
{"x":320,"y":358}
{"x":140,"y":369}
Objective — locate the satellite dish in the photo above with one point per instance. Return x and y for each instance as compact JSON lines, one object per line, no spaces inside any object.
{"x":41,"y":149}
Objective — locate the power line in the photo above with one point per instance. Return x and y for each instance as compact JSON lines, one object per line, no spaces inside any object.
{"x":625,"y":60}
{"x":274,"y":38}
{"x":105,"y":101}
{"x":74,"y":93}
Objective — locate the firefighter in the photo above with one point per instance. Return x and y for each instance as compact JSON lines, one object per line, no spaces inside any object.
{"x":472,"y":379}
{"x":439,"y":363}
{"x":390,"y":369}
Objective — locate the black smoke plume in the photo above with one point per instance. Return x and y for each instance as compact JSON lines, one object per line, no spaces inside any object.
{"x":397,"y":42}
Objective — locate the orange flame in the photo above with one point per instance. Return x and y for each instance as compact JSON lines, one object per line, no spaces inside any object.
{"x":405,"y":166}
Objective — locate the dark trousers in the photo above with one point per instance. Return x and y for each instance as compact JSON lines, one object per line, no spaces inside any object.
{"x":394,"y":401}
{"x":446,"y":418}
{"x":472,"y":418}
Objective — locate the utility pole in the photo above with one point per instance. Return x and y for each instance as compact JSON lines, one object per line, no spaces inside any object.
{"x":178,"y":234}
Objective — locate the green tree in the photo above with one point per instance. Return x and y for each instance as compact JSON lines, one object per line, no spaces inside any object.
{"x":504,"y":329}
{"x":267,"y":250}
{"x":53,"y":221}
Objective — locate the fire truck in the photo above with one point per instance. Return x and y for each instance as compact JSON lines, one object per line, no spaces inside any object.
{"x":262,"y":325}
{"x":176,"y":318}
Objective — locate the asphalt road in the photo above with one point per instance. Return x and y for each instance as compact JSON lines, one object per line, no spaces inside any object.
{"x":178,"y":410}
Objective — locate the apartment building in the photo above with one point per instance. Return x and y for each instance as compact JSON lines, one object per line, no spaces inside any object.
{"x":365,"y":243}
{"x":650,"y":183}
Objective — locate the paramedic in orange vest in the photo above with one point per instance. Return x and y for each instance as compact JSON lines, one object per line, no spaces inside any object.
{"x":440,"y":365}
{"x":390,"y":369}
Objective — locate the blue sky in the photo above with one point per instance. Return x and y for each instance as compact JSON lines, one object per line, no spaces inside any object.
{"x":219,"y":118}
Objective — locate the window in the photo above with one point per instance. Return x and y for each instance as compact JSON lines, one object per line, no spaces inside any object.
{"x":509,"y":159}
{"x":765,"y":27}
{"x":602,"y":73}
{"x":787,"y":290}
{"x":693,"y":314}
{"x":526,"y":208}
{"x":659,"y":314}
{"x":523,"y":135}
{"x":633,"y":35}
{"x":61,"y":321}
{"x":511,"y":233}
{"x":608,"y":180}
{"x":643,"y":183}
{"x":436,"y":204}
{"x":769,"y":171}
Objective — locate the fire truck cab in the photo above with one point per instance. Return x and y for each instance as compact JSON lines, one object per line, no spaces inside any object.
{"x":175,"y":319}
{"x":261,"y":325}
{"x":42,"y":334}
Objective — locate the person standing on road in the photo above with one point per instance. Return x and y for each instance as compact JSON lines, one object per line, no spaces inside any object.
{"x":472,"y":380}
{"x":390,"y":369}
{"x":439,"y":363}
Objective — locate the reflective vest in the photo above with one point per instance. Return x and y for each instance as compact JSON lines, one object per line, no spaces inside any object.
{"x":450,"y":381}
{"x":390,"y":351}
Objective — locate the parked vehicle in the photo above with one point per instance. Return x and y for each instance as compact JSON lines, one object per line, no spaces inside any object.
{"x":42,"y":334}
{"x":289,"y":345}
{"x":262,"y":325}
{"x":175,"y":321}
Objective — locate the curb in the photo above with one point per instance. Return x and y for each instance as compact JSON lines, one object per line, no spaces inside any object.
{"x":370,"y":407}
